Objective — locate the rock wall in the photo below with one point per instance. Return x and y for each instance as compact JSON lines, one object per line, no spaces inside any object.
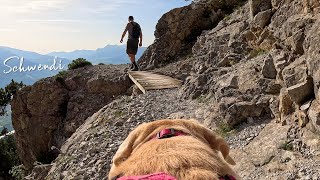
{"x":177,"y":31}
{"x":245,"y":61}
{"x":51,"y":110}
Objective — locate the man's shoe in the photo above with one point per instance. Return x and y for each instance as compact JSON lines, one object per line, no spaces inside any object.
{"x":136,"y":68}
{"x":131,"y":66}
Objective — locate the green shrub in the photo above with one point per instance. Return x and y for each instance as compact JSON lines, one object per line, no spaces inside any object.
{"x":61,"y":74}
{"x":8,"y":155}
{"x":4,"y":131}
{"x":288,"y":146}
{"x":101,"y":64}
{"x":7,"y":93}
{"x":18,"y":172}
{"x":257,"y":52}
{"x":224,"y":129}
{"x":78,"y":63}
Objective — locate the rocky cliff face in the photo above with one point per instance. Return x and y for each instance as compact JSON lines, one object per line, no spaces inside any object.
{"x":178,"y":30}
{"x":262,"y":55}
{"x":51,"y":110}
{"x":250,"y":71}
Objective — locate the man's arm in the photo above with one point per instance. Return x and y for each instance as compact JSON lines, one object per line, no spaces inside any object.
{"x":140,"y":44}
{"x":124,"y":34}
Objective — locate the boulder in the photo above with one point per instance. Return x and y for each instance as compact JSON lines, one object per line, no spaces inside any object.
{"x":302,"y":118}
{"x":286,"y":106}
{"x":39,"y":172}
{"x":179,"y":34}
{"x":268,"y":69}
{"x":301,"y":92}
{"x":262,"y":18}
{"x":48,"y":112}
{"x":314,"y":115}
{"x":296,"y":72}
{"x":240,"y":111}
{"x":257,"y":6}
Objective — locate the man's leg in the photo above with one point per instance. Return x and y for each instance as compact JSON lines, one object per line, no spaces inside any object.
{"x":133,"y":61}
{"x":132,"y":58}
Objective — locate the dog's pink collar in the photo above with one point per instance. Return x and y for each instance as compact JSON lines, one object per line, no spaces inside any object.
{"x":167,"y":133}
{"x":156,"y":176}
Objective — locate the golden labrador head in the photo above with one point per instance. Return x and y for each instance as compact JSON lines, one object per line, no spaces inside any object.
{"x":146,"y":131}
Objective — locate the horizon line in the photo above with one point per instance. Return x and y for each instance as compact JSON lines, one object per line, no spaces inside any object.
{"x":66,"y":51}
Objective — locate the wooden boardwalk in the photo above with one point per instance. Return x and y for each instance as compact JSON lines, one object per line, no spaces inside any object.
{"x":149,"y":81}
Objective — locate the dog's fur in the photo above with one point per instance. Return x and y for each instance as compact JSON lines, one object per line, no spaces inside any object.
{"x":192,"y":157}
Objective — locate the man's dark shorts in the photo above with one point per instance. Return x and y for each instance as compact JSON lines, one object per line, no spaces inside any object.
{"x":132,"y":46}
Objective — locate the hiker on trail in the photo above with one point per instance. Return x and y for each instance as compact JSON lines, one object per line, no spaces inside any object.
{"x":135,"y":33}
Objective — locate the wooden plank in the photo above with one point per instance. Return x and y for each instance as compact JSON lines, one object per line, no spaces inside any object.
{"x":151,"y":77}
{"x":163,"y":82}
{"x":161,"y":87}
{"x":147,"y":74}
{"x":149,"y":81}
{"x":137,"y":83}
{"x":158,"y":81}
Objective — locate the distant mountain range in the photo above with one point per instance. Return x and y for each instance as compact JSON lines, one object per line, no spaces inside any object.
{"x":30,"y":59}
{"x":110,"y":54}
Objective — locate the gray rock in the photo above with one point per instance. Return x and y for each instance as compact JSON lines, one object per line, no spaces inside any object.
{"x":313,"y":55}
{"x":262,"y":18}
{"x":257,"y":6}
{"x":296,"y":72}
{"x":57,"y":108}
{"x":240,"y":111}
{"x":301,"y":92}
{"x":314,"y":115}
{"x":286,"y":105}
{"x":268,"y":69}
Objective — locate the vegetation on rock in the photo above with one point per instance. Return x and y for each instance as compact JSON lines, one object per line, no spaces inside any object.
{"x":8,"y":155}
{"x":7,"y":93}
{"x":78,"y":63}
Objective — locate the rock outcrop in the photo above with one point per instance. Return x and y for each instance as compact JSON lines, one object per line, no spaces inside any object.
{"x":51,"y":110}
{"x":267,"y":46}
{"x":178,"y":30}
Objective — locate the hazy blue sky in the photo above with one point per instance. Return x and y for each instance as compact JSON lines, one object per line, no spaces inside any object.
{"x":65,"y":25}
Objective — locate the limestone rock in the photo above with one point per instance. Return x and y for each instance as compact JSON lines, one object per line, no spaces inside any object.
{"x":286,"y":106}
{"x":39,"y":172}
{"x":262,"y":18}
{"x":57,"y":108}
{"x":313,"y":55}
{"x":178,"y":33}
{"x":240,"y":111}
{"x":257,"y":6}
{"x":302,"y":118}
{"x":301,"y":92}
{"x":314,"y":115}
{"x":268,"y":69}
{"x":296,"y":72}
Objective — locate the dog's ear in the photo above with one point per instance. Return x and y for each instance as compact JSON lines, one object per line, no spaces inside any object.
{"x":215,"y":141}
{"x":135,"y":138}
